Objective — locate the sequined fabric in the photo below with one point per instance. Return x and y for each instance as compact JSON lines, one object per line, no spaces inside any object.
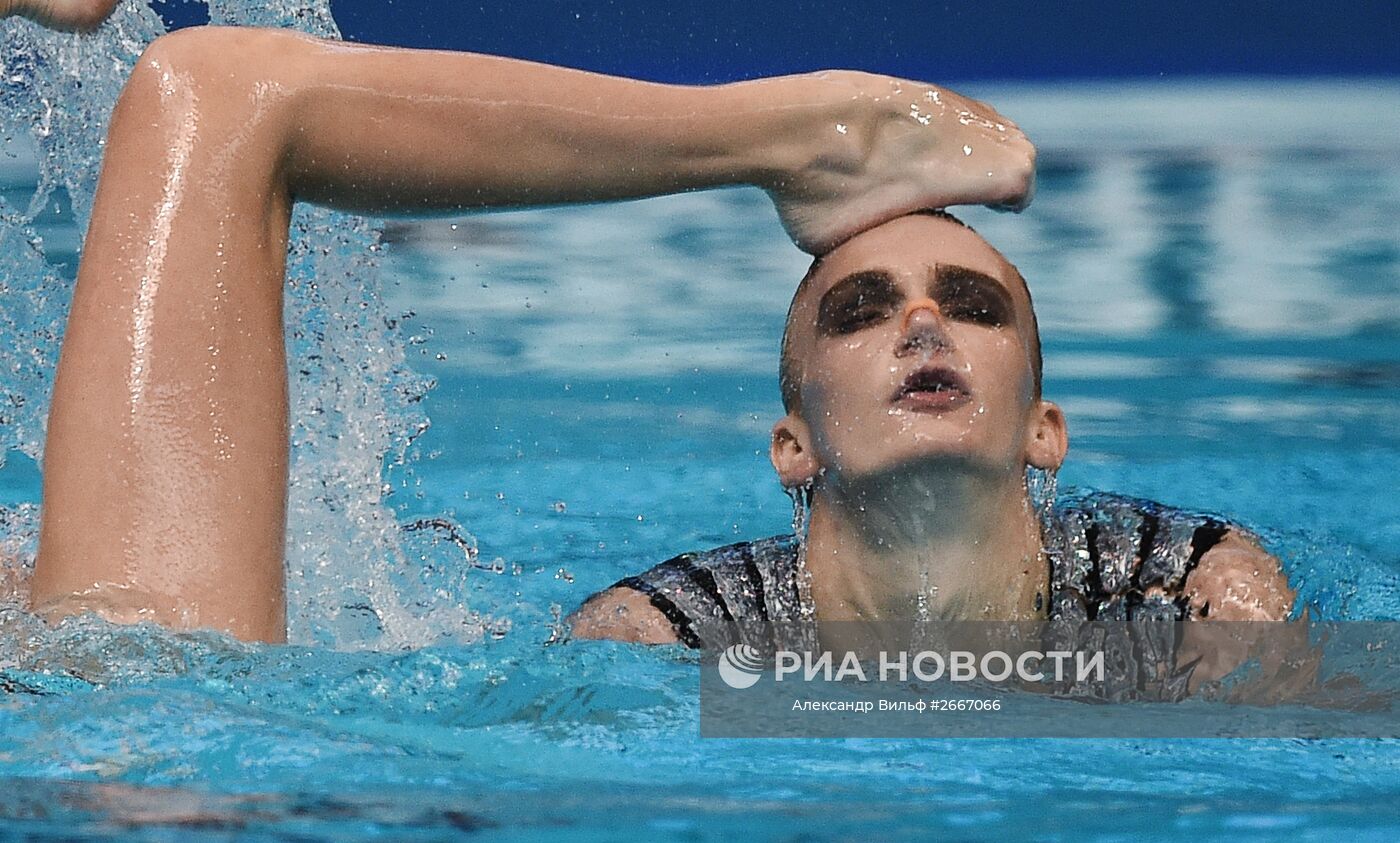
{"x":1111,"y":557}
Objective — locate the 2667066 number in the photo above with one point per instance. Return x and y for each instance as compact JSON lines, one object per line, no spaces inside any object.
{"x":964,"y":705}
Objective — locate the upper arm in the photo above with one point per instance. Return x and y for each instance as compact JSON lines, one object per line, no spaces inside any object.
{"x":1237,"y":580}
{"x":622,"y":614}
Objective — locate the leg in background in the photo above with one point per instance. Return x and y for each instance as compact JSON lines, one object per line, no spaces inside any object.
{"x":166,"y":465}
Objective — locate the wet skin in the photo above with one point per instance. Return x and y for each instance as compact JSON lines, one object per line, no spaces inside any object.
{"x":915,"y":341}
{"x":166,"y":463}
{"x":63,"y":15}
{"x":914,"y":417}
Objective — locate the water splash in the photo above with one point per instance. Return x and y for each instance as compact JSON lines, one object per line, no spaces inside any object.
{"x":1042,"y":489}
{"x":56,"y":95}
{"x":803,"y":633}
{"x":801,"y":510}
{"x":354,"y":578}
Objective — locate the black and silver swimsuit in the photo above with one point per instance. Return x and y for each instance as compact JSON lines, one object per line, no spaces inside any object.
{"x":1111,"y":557}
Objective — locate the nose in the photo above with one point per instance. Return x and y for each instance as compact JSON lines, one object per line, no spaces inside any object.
{"x":913,"y":308}
{"x":922,"y":327}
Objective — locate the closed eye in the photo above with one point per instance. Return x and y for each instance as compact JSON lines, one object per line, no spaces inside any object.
{"x":860,"y":318}
{"x":969,"y":296}
{"x":857,"y":302}
{"x":980,"y":312}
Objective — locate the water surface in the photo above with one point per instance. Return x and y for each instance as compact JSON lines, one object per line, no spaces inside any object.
{"x":1217,"y":273}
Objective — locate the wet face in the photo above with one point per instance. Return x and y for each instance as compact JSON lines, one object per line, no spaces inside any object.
{"x":914,"y":341}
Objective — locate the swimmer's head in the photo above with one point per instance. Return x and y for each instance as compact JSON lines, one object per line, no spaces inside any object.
{"x":912,"y":340}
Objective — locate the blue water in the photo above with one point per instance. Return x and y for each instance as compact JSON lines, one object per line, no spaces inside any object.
{"x":1217,"y":272}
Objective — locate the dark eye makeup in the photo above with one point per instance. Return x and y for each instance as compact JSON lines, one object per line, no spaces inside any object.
{"x":972,"y":297}
{"x":869,"y":297}
{"x":856,"y":302}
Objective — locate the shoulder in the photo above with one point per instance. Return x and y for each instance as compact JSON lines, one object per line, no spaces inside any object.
{"x":1238,"y":580}
{"x":1109,"y":547}
{"x":620,"y":613}
{"x":692,"y":597}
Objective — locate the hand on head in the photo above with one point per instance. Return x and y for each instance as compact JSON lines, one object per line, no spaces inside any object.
{"x":63,"y":15}
{"x":888,"y":147}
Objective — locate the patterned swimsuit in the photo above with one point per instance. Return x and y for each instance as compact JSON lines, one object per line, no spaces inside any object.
{"x":1111,"y":557}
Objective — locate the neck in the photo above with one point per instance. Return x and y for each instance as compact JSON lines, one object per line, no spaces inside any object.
{"x":944,"y":540}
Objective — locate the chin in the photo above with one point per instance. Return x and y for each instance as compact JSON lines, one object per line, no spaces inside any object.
{"x":917,"y":433}
{"x":929,"y":457}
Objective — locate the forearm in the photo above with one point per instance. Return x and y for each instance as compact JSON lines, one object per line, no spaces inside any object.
{"x":397,"y":130}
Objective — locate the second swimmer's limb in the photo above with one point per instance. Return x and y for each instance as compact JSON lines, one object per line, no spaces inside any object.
{"x":166,"y":465}
{"x":390,"y":131}
{"x":65,"y":15}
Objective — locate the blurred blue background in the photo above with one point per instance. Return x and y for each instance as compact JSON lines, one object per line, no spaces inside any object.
{"x":995,"y":39}
{"x":1216,"y":267}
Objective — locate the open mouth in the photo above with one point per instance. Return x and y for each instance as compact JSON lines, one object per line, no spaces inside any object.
{"x":932,"y":388}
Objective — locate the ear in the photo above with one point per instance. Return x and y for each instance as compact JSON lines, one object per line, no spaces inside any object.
{"x":1047,"y":438}
{"x":791,"y":452}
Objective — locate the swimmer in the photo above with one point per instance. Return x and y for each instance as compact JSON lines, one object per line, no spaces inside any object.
{"x":165,"y":469}
{"x":911,"y":379}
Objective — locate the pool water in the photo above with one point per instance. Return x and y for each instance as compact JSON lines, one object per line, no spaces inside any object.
{"x":1217,"y":272}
